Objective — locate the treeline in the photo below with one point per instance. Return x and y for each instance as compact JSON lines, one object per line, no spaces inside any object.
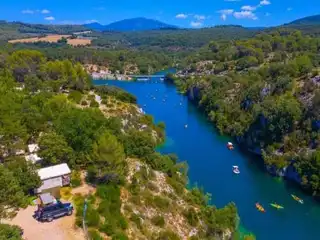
{"x":267,"y":96}
{"x":146,"y":61}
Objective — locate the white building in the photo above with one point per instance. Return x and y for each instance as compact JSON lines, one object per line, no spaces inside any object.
{"x":53,"y":178}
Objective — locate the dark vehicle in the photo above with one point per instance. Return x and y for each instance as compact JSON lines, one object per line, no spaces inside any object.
{"x":48,"y":213}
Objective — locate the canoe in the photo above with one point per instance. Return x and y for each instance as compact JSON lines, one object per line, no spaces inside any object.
{"x":277,"y":206}
{"x":297,"y":198}
{"x":260,"y":208}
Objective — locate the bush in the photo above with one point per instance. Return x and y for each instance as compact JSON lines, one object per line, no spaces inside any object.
{"x":10,"y":232}
{"x":158,"y":221}
{"x":167,"y":235}
{"x":120,"y":236}
{"x":94,"y":103}
{"x":75,"y":179}
{"x":94,"y":235}
{"x":161,"y":202}
{"x":75,"y":96}
{"x":92,"y":217}
{"x":136,"y":219}
{"x":191,"y":216}
{"x":104,"y":101}
{"x":84,"y":103}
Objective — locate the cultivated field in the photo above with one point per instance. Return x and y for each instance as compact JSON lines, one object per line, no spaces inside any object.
{"x":53,"y":39}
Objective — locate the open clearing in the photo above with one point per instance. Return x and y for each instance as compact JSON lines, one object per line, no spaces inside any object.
{"x":53,"y":39}
{"x":59,"y":229}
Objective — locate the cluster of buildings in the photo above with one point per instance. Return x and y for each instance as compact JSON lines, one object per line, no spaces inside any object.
{"x":53,"y":177}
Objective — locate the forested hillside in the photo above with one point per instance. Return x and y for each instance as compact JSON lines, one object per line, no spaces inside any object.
{"x":14,"y":30}
{"x":53,"y":104}
{"x":265,"y":92}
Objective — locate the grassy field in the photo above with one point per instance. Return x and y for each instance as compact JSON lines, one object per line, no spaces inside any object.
{"x":53,"y":39}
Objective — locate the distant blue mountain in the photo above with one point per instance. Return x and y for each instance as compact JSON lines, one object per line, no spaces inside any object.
{"x":311,"y":20}
{"x":133,"y":24}
{"x":95,"y":26}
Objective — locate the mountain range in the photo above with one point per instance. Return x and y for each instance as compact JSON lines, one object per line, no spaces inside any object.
{"x":143,"y":24}
{"x":133,"y":24}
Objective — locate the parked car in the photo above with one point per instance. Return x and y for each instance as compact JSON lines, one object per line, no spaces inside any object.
{"x":48,"y":213}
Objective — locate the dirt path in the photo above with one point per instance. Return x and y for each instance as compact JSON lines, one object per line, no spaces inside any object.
{"x":59,"y":229}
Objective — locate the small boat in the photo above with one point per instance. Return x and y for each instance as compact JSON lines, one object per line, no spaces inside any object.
{"x":230,"y":146}
{"x":186,"y":126}
{"x":277,"y":206}
{"x":260,"y":208}
{"x":297,"y":198}
{"x":235,"y":170}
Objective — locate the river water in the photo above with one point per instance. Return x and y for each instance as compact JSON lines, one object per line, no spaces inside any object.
{"x":210,"y":166}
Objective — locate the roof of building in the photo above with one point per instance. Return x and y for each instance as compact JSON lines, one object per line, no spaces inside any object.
{"x":54,"y":171}
{"x":46,"y":198}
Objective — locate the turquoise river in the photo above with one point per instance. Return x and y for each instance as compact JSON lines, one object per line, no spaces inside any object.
{"x":210,"y":166}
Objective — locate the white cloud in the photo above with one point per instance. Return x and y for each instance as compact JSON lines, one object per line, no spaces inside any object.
{"x":248,"y":8}
{"x":265,"y":2}
{"x":200,"y":17}
{"x":245,"y":14}
{"x":49,"y":18}
{"x":45,"y":11}
{"x":196,"y":24}
{"x":181,"y":16}
{"x":27,"y":11}
{"x":267,"y":14}
{"x":289,"y":9}
{"x":224,"y":13}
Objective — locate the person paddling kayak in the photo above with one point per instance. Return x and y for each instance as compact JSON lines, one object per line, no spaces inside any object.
{"x":277,"y":206}
{"x":297,"y":198}
{"x":260,"y":208}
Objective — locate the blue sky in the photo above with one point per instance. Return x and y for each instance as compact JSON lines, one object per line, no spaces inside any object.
{"x":183,"y":13}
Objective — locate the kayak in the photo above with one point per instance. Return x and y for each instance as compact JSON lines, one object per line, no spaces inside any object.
{"x":297,"y":198}
{"x":260,"y":208}
{"x":277,"y":206}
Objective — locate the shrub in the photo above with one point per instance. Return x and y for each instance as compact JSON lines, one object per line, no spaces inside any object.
{"x":191,"y":216}
{"x":136,"y":219}
{"x":92,"y":217}
{"x":94,"y":103}
{"x":167,"y":235}
{"x":94,"y":235}
{"x":107,"y":228}
{"x":84,"y":103}
{"x":120,"y":236}
{"x":123,"y":223}
{"x":75,"y":96}
{"x":158,"y":221}
{"x":75,"y":179}
{"x":161,"y":202}
{"x":104,"y":101}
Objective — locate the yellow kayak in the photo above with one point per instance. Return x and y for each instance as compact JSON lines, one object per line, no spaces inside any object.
{"x":260,"y":208}
{"x":297,"y":198}
{"x":277,"y":206}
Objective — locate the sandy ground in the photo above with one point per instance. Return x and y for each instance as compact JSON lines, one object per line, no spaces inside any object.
{"x":53,"y":39}
{"x":59,"y":229}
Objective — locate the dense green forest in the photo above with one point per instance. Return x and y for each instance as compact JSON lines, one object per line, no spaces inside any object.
{"x":264,"y":91}
{"x":52,"y":103}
